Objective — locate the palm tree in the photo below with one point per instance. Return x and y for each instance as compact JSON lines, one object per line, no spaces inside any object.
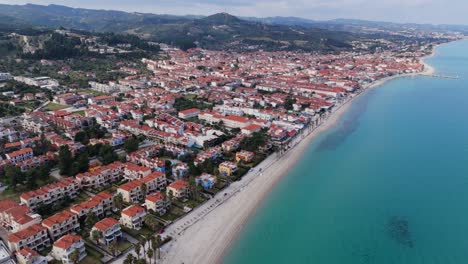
{"x":151,"y":222}
{"x":192,"y":187}
{"x":137,"y":249}
{"x":150,"y":255}
{"x":96,"y":235}
{"x":129,"y":259}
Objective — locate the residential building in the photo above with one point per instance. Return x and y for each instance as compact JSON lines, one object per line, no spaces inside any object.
{"x":29,"y":256}
{"x":227,"y":168}
{"x":20,"y":155}
{"x":189,"y":113}
{"x":157,"y":202}
{"x":66,"y":246}
{"x":178,"y":189}
{"x":62,"y":223}
{"x":101,"y":205}
{"x":245,"y":156}
{"x":101,"y":176}
{"x":207,"y":181}
{"x":133,"y":171}
{"x":133,"y":192}
{"x":109,"y":228}
{"x":50,"y":193}
{"x":34,"y":237}
{"x":132,"y":216}
{"x":15,"y":217}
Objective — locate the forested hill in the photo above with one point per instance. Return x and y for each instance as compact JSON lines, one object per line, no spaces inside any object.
{"x":219,"y":31}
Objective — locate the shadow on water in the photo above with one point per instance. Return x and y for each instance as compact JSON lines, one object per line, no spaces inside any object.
{"x":346,"y":127}
{"x":398,"y":229}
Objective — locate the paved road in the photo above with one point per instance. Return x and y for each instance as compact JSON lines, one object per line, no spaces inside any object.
{"x":56,"y":174}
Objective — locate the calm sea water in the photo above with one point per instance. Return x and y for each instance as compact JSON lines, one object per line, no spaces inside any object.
{"x":387,"y":184}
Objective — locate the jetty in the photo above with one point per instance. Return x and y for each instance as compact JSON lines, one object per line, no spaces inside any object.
{"x":443,"y":76}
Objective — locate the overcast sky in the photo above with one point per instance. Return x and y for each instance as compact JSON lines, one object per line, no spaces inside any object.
{"x":420,"y":11}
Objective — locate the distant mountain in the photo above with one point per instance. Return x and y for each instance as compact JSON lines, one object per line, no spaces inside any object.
{"x":219,"y":31}
{"x":357,"y":25}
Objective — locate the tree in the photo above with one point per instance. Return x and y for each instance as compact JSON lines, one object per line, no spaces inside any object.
{"x":82,"y":163}
{"x":75,"y":256}
{"x":118,"y":201}
{"x":150,"y":255}
{"x":194,"y":170}
{"x":107,"y":154}
{"x":151,"y":222}
{"x":113,"y":247}
{"x":131,"y":145}
{"x":65,"y":160}
{"x":91,"y":219}
{"x":168,"y":168}
{"x":96,"y":235}
{"x":144,"y":189}
{"x":130,"y":259}
{"x":82,"y":137}
{"x":14,"y":176}
{"x":193,"y":187}
{"x":254,"y":142}
{"x":137,"y":249}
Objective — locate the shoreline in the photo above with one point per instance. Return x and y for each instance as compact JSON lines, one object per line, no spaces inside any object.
{"x":205,"y":234}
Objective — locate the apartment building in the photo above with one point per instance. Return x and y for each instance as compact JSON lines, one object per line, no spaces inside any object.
{"x":109,"y":228}
{"x":15,"y":217}
{"x":61,"y":224}
{"x":20,"y":155}
{"x":34,"y":237}
{"x":189,"y":113}
{"x":101,"y":204}
{"x":178,"y":189}
{"x":132,"y":216}
{"x":245,"y":156}
{"x":157,"y":202}
{"x":50,"y":193}
{"x":227,"y":168}
{"x":102,"y":176}
{"x":66,"y":245}
{"x":132,"y":191}
{"x":29,"y":256}
{"x":134,"y":172}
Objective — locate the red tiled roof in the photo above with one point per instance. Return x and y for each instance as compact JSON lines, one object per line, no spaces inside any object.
{"x":178,"y":184}
{"x":106,"y":223}
{"x":58,"y":218}
{"x":154,"y":197}
{"x":133,"y":210}
{"x":67,"y":241}
{"x":27,"y":252}
{"x":25,"y":233}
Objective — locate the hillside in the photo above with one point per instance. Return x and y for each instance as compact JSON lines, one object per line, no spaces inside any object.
{"x":219,"y":31}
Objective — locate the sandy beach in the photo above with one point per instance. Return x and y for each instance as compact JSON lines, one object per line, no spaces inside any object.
{"x":205,"y":234}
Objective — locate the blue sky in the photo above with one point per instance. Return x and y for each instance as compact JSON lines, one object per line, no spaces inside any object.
{"x":420,"y":11}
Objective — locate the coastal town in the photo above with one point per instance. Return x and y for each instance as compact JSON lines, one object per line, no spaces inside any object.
{"x":110,"y":169}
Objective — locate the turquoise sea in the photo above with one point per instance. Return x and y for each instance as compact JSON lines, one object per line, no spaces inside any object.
{"x":387,"y":184}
